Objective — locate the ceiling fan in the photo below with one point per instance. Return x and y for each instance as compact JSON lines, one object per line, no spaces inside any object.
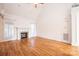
{"x":36,"y":4}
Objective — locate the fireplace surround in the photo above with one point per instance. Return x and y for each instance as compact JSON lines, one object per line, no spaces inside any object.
{"x":24,"y":35}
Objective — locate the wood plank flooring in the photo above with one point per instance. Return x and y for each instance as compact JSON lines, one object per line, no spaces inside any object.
{"x":37,"y":47}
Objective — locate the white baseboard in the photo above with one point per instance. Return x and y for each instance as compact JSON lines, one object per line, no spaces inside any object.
{"x":56,"y":37}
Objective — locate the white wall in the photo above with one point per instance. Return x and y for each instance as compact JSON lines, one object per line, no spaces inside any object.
{"x":23,"y":24}
{"x":18,"y":21}
{"x":1,"y":28}
{"x":1,"y":25}
{"x":53,"y":21}
{"x":21,"y":14}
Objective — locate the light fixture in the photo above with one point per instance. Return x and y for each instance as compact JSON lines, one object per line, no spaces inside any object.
{"x":36,"y":4}
{"x":2,"y":13}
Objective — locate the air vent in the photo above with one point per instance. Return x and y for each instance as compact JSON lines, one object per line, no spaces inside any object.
{"x":66,"y":36}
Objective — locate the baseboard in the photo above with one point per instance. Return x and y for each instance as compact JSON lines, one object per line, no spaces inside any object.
{"x":56,"y":39}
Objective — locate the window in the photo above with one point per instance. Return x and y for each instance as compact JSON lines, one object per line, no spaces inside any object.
{"x":32,"y":30}
{"x":8,"y":31}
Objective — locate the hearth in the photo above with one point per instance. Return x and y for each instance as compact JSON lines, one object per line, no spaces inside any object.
{"x":24,"y":35}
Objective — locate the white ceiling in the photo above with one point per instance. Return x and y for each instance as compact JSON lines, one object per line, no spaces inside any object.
{"x":26,"y":10}
{"x":23,"y":10}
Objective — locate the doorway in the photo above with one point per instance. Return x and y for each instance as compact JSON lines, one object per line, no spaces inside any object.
{"x":75,"y":25}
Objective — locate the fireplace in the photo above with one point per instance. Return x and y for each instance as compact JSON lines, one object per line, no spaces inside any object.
{"x":24,"y":35}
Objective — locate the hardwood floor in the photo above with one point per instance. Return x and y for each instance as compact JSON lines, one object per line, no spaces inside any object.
{"x":37,"y":47}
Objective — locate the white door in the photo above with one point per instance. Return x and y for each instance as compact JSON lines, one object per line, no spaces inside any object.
{"x":75,"y":26}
